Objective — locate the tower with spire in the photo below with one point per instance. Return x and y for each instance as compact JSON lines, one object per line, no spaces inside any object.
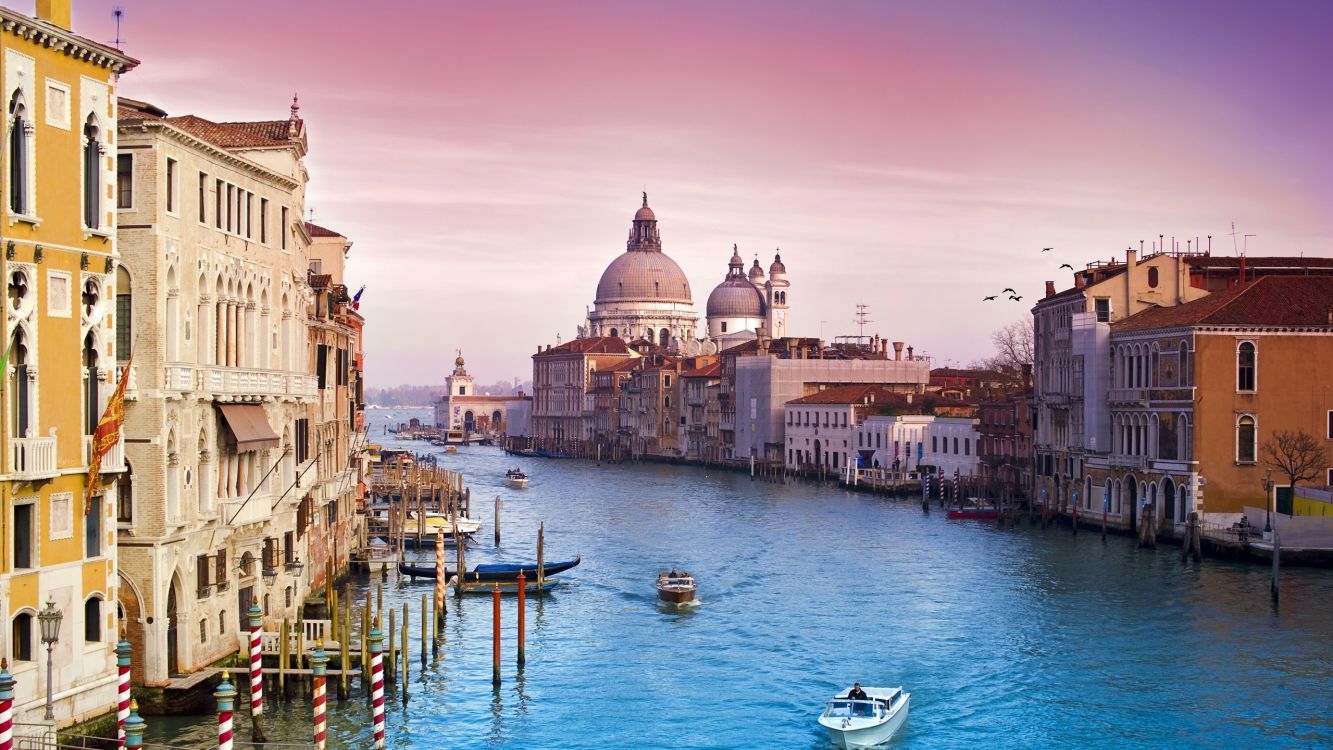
{"x":775,"y":292}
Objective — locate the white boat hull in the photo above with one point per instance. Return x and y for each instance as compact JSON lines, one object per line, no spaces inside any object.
{"x":865,"y":733}
{"x":519,"y":483}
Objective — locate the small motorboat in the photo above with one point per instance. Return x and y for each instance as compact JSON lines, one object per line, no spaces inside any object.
{"x":450,"y":449}
{"x":516,"y":478}
{"x":972,"y":508}
{"x":676,"y":587}
{"x":437,"y":522}
{"x":865,"y":722}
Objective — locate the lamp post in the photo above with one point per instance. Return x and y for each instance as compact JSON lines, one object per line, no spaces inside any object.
{"x":1268,"y":501}
{"x":49,"y":619}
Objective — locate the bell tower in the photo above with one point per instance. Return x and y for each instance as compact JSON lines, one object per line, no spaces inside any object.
{"x":775,"y":290}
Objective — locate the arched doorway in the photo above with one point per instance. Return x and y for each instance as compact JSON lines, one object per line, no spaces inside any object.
{"x":130,"y":614}
{"x":469,"y":421}
{"x":1168,"y":501}
{"x":497,"y":424}
{"x":173,"y":632}
{"x":818,"y":459}
{"x":663,"y":337}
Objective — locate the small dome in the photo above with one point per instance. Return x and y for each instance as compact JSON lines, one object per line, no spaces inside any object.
{"x":637,"y":276}
{"x":736,"y":261}
{"x":756,"y":273}
{"x":735,"y":298}
{"x":777,"y":267}
{"x":645,"y":213}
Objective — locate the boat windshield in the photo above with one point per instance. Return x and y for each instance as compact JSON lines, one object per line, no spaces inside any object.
{"x":839,"y":707}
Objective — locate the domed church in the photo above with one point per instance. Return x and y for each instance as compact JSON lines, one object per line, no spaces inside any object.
{"x":643,"y":294}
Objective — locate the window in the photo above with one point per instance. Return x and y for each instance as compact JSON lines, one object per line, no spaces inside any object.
{"x":321,"y":363}
{"x":217,"y":203}
{"x":934,"y":446}
{"x":92,"y":527}
{"x":231,"y":202}
{"x":1330,"y":424}
{"x":171,"y":186}
{"x":222,"y":622}
{"x":1152,"y":277}
{"x":1103,"y":307}
{"x":92,"y":620}
{"x":1245,"y":436}
{"x":201,"y":575}
{"x":724,"y":326}
{"x":288,"y":548}
{"x":124,"y":181}
{"x":19,"y":202}
{"x":1245,"y":362}
{"x":203,"y":631}
{"x":263,"y":220}
{"x":955,"y":446}
{"x":282,"y":230}
{"x":203,"y":198}
{"x":270,"y":555}
{"x":220,"y":569}
{"x":23,"y":536}
{"x":249,"y":211}
{"x":302,"y":448}
{"x":22,"y":639}
{"x":124,"y":314}
{"x":967,"y":446}
{"x":92,"y":174}
{"x":125,"y":496}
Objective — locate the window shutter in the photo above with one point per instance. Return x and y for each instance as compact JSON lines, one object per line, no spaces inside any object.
{"x":321,"y":363}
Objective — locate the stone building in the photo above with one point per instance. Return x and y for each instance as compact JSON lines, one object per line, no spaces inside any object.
{"x":700,"y":388}
{"x":64,"y":348}
{"x":462,"y":410}
{"x":562,"y":385}
{"x":220,"y":443}
{"x":743,"y":305}
{"x":1005,"y":429}
{"x":821,"y":428}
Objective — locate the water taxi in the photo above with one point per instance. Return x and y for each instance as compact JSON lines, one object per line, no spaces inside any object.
{"x":865,"y":722}
{"x":676,"y":587}
{"x":436,"y":522}
{"x":516,"y":478}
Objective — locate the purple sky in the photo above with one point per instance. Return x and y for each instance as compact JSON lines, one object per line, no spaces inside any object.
{"x":486,"y":158}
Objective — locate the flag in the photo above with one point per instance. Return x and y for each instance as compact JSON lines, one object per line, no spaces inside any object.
{"x":356,"y":298}
{"x":106,"y":434}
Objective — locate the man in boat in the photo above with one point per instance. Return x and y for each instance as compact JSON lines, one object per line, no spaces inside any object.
{"x":673,"y":574}
{"x":856,"y":693}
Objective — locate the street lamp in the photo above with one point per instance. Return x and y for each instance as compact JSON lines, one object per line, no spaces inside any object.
{"x":49,"y":619}
{"x":1268,"y":501}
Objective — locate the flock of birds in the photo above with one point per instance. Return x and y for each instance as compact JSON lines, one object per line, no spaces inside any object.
{"x":1015,"y":296}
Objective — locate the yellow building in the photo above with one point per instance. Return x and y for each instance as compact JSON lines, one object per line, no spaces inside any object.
{"x":59,"y":238}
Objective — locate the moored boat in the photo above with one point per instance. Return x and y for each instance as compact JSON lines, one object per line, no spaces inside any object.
{"x":676,"y":587}
{"x":865,"y":722}
{"x":972,"y":508}
{"x":437,"y":522}
{"x":491,"y":571}
{"x":530,"y":586}
{"x":516,"y":478}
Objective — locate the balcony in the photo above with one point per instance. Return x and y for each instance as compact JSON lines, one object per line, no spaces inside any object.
{"x":114,"y":460}
{"x":1182,"y":394}
{"x":1121,"y":461}
{"x":132,"y":383}
{"x":237,"y":382}
{"x":32,"y":458}
{"x":237,"y":512}
{"x":1128,"y":396}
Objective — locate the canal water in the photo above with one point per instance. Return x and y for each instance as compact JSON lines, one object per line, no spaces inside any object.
{"x":1013,"y":638}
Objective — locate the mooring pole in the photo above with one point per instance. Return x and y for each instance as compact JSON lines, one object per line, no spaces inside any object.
{"x":134,"y":728}
{"x":495,"y":636}
{"x":319,"y":662}
{"x":522,"y":596}
{"x":226,"y":698}
{"x":123,"y":652}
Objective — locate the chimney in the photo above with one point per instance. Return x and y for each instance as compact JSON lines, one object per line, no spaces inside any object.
{"x":1050,"y":288}
{"x":1131,"y":258}
{"x":909,"y":353}
{"x":55,"y":12}
{"x":897,"y":351}
{"x":1079,"y":281}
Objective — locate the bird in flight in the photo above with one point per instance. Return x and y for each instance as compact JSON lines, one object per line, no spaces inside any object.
{"x":1047,"y":249}
{"x":1066,"y":265}
{"x":988,"y":299}
{"x":1016,"y":298}
{"x":1009,"y":290}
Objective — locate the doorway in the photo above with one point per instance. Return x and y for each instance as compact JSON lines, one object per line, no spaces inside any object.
{"x":173,"y":644}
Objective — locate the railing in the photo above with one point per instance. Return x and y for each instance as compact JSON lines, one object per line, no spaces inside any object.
{"x":1127,"y":395}
{"x":1233,"y":534}
{"x":237,"y":512}
{"x":1182,"y":393}
{"x":1122,"y":461}
{"x":132,"y":384}
{"x":114,"y":460}
{"x":220,"y":380}
{"x":32,"y":458}
{"x":314,"y":632}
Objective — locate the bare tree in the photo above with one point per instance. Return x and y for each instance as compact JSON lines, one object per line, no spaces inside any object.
{"x":1298,"y":454}
{"x":1013,"y":346}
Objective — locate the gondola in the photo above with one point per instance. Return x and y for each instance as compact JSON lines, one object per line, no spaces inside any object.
{"x":491,"y":571}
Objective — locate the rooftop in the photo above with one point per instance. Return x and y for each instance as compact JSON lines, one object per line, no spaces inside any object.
{"x":847,"y":395}
{"x":1294,"y":301}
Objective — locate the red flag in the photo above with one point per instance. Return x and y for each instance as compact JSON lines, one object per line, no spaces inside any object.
{"x":107,"y":434}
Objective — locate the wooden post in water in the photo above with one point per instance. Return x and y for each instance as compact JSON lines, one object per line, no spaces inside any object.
{"x":284,"y":637}
{"x":495,"y":636}
{"x":365,"y":647}
{"x":345,"y":649}
{"x":405,"y":651}
{"x":541,"y":561}
{"x":393,"y":655}
{"x":1277,"y":564}
{"x":522,"y":595}
{"x":379,"y":602}
{"x":300,"y":643}
{"x":497,"y":520}
{"x":333,"y":617}
{"x":427,"y":621}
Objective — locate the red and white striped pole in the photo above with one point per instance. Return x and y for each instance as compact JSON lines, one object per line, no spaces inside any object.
{"x":376,"y":684}
{"x":226,"y":697}
{"x":439,"y":578}
{"x":318,"y":663}
{"x":122,"y":689}
{"x":256,"y":662}
{"x":6,"y":706}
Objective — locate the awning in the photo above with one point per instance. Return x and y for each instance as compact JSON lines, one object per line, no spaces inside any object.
{"x":249,"y":426}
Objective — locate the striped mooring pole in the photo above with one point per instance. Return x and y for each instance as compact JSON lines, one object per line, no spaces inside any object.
{"x":6,"y":706}
{"x":256,"y":662}
{"x":123,"y":651}
{"x":318,"y":665}
{"x":226,"y":697}
{"x":134,"y":727}
{"x":439,"y":578}
{"x":376,"y":684}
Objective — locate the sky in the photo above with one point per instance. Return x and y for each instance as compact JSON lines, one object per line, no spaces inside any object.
{"x":486,"y":158}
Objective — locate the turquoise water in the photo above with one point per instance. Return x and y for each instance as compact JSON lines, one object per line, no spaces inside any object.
{"x":1005,"y":638}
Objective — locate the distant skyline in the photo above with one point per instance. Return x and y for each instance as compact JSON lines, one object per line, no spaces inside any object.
{"x":486,"y":158}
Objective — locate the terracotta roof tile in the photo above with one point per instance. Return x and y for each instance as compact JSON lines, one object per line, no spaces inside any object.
{"x":1268,"y":301}
{"x":316,"y":230}
{"x":235,"y":134}
{"x":707,"y":371}
{"x":852,"y":394}
{"x":596,"y":345}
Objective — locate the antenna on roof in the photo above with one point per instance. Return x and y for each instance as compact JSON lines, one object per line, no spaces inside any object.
{"x":862,"y":317}
{"x":117,"y":12}
{"x":1234,"y":247}
{"x":1246,"y":246}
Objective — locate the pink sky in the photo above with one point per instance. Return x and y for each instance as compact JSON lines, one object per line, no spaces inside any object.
{"x":486,"y":158}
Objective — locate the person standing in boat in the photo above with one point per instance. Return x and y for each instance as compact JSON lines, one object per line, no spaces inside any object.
{"x":856,"y":693}
{"x":673,"y":574}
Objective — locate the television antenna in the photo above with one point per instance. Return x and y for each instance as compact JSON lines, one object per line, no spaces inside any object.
{"x":862,"y":317}
{"x":118,"y":13}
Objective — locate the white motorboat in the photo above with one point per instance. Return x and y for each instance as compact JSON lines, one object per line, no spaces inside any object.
{"x":865,"y":722}
{"x":437,"y":522}
{"x":516,"y":478}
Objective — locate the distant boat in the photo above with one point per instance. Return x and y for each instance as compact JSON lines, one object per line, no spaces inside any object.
{"x":491,"y":571}
{"x":516,"y":478}
{"x":972,"y":508}
{"x":865,"y":722}
{"x":676,"y":588}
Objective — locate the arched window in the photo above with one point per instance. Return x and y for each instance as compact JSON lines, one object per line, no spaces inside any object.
{"x":125,"y":495}
{"x":666,"y":402}
{"x":21,"y":640}
{"x":20,"y":406}
{"x":615,"y":334}
{"x":1245,"y":437}
{"x":1185,"y":379}
{"x":92,"y":619}
{"x":124,"y":314}
{"x":19,"y":194}
{"x":664,"y":337}
{"x":666,"y":381}
{"x":1245,"y":366}
{"x":92,"y":174}
{"x":91,"y":391}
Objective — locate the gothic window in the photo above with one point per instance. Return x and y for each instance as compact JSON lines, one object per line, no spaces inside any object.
{"x":1245,"y":439}
{"x":124,"y":314}
{"x":91,"y":391}
{"x":1245,"y":366}
{"x":19,"y":190}
{"x":92,"y":174}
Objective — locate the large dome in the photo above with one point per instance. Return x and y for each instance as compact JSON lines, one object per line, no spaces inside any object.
{"x":735,"y":298}
{"x":639,"y":276}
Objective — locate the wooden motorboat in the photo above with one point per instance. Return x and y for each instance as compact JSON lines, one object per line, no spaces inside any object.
{"x":972,"y":508}
{"x":865,"y":722}
{"x":676,"y":587}
{"x":491,"y":571}
{"x":437,"y":522}
{"x":516,"y":478}
{"x":530,"y":586}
